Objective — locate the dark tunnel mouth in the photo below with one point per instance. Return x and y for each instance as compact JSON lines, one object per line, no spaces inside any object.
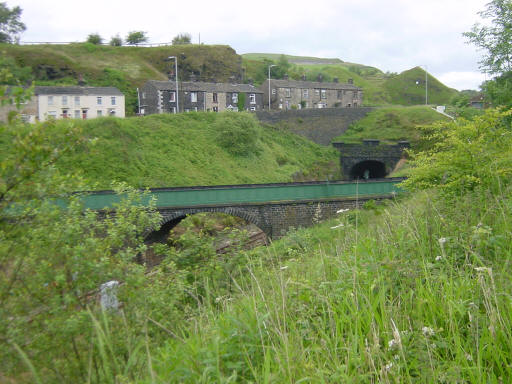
{"x":368,"y":169}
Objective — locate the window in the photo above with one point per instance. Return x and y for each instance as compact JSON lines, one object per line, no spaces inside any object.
{"x":340,"y":94}
{"x":172,"y":97}
{"x":99,"y":100}
{"x":253,"y":108}
{"x":50,"y":100}
{"x":84,"y":114}
{"x":305,"y":93}
{"x":187,"y":110}
{"x":64,"y":113}
{"x":287,"y":92}
{"x":193,"y":97}
{"x":143,"y":95}
{"x":317,"y":92}
{"x":287,"y":103}
{"x":324,"y":94}
{"x":77,"y":100}
{"x":252,"y":98}
{"x":52,"y":114}
{"x":99,"y":113}
{"x":64,"y":100}
{"x":234,"y":97}
{"x":215,"y":109}
{"x":274,"y":91}
{"x":112,"y":112}
{"x":76,"y":114}
{"x":112,"y":100}
{"x":215,"y":99}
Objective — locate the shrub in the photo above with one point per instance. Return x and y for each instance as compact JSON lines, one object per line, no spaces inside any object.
{"x":94,"y":38}
{"x":237,"y":133}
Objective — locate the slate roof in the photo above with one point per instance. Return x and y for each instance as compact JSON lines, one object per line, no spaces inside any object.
{"x":200,"y":86}
{"x":95,"y":91}
{"x":311,"y":84}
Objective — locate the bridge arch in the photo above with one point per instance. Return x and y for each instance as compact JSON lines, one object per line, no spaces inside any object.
{"x":368,"y":169}
{"x":173,"y":218}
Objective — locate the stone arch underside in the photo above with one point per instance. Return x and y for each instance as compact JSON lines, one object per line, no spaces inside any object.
{"x":368,"y":169}
{"x":171,"y":218}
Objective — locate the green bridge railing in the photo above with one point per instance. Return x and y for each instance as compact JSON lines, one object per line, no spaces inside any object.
{"x":253,"y":193}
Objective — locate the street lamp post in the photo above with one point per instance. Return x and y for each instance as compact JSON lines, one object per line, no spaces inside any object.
{"x":270,"y":66}
{"x":426,"y":85}
{"x":176,"y":72}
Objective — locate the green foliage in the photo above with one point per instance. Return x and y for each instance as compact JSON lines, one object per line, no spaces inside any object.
{"x":116,"y":41}
{"x":498,"y":91}
{"x":238,"y":133}
{"x":241,"y":102}
{"x":465,"y":155}
{"x":10,"y":24}
{"x":136,"y":37}
{"x":182,"y":39}
{"x":12,"y":73}
{"x":494,"y":40}
{"x":94,"y":38}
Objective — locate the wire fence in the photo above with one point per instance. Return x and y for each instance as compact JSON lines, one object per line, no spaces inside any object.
{"x":81,"y":42}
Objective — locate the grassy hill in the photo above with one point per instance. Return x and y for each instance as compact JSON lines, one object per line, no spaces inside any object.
{"x":186,"y":149}
{"x":124,"y":67}
{"x":379,"y":88}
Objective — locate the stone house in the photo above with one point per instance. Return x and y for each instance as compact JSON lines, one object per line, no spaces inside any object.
{"x":70,"y":102}
{"x":160,"y":97}
{"x":287,"y":94}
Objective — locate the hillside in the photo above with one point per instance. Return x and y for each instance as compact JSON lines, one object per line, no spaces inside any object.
{"x":379,"y":88}
{"x":391,"y":124}
{"x":124,"y":67}
{"x":129,"y":67}
{"x":190,"y":149}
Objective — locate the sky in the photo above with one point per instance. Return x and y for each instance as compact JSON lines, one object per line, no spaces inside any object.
{"x":392,"y":35}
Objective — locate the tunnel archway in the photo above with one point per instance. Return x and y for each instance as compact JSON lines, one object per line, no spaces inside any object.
{"x":368,"y":169}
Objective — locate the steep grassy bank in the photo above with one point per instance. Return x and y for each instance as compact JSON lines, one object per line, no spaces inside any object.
{"x":392,"y":124}
{"x":195,"y":149}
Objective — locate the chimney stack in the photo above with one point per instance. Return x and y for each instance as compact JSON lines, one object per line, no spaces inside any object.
{"x":351,"y":81}
{"x":285,"y":76}
{"x":336,"y":80}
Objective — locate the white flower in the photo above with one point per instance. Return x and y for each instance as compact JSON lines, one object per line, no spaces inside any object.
{"x":283,"y":268}
{"x":338,"y":226}
{"x":392,"y":344}
{"x":388,"y":366}
{"x":342,"y":210}
{"x":439,"y":258}
{"x":427,"y":331}
{"x":441,"y":241}
{"x":469,"y":357}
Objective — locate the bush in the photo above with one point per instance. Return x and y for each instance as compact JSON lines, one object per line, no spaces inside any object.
{"x":465,"y":155}
{"x":237,"y":133}
{"x":95,"y":39}
{"x":116,"y":41}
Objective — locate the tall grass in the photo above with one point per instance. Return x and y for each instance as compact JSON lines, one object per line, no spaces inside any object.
{"x":412,"y":292}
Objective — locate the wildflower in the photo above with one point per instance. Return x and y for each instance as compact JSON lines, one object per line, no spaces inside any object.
{"x":338,"y":226}
{"x":439,"y":258}
{"x":388,"y":366}
{"x":342,"y":210}
{"x":483,"y":269}
{"x":441,"y":241}
{"x":283,"y":268}
{"x":469,"y":357}
{"x":427,"y":331}
{"x":392,"y":344}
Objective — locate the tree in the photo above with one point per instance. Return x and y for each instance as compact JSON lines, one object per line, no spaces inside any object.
{"x":182,"y":38}
{"x":10,"y":24}
{"x":94,"y":38}
{"x":116,"y":41}
{"x":136,"y":37}
{"x":495,"y":40}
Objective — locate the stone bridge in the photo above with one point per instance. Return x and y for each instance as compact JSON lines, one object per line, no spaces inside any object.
{"x":369,"y":160}
{"x":274,"y":208}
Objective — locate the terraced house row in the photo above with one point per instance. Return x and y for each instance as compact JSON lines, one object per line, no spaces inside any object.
{"x":155,"y":97}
